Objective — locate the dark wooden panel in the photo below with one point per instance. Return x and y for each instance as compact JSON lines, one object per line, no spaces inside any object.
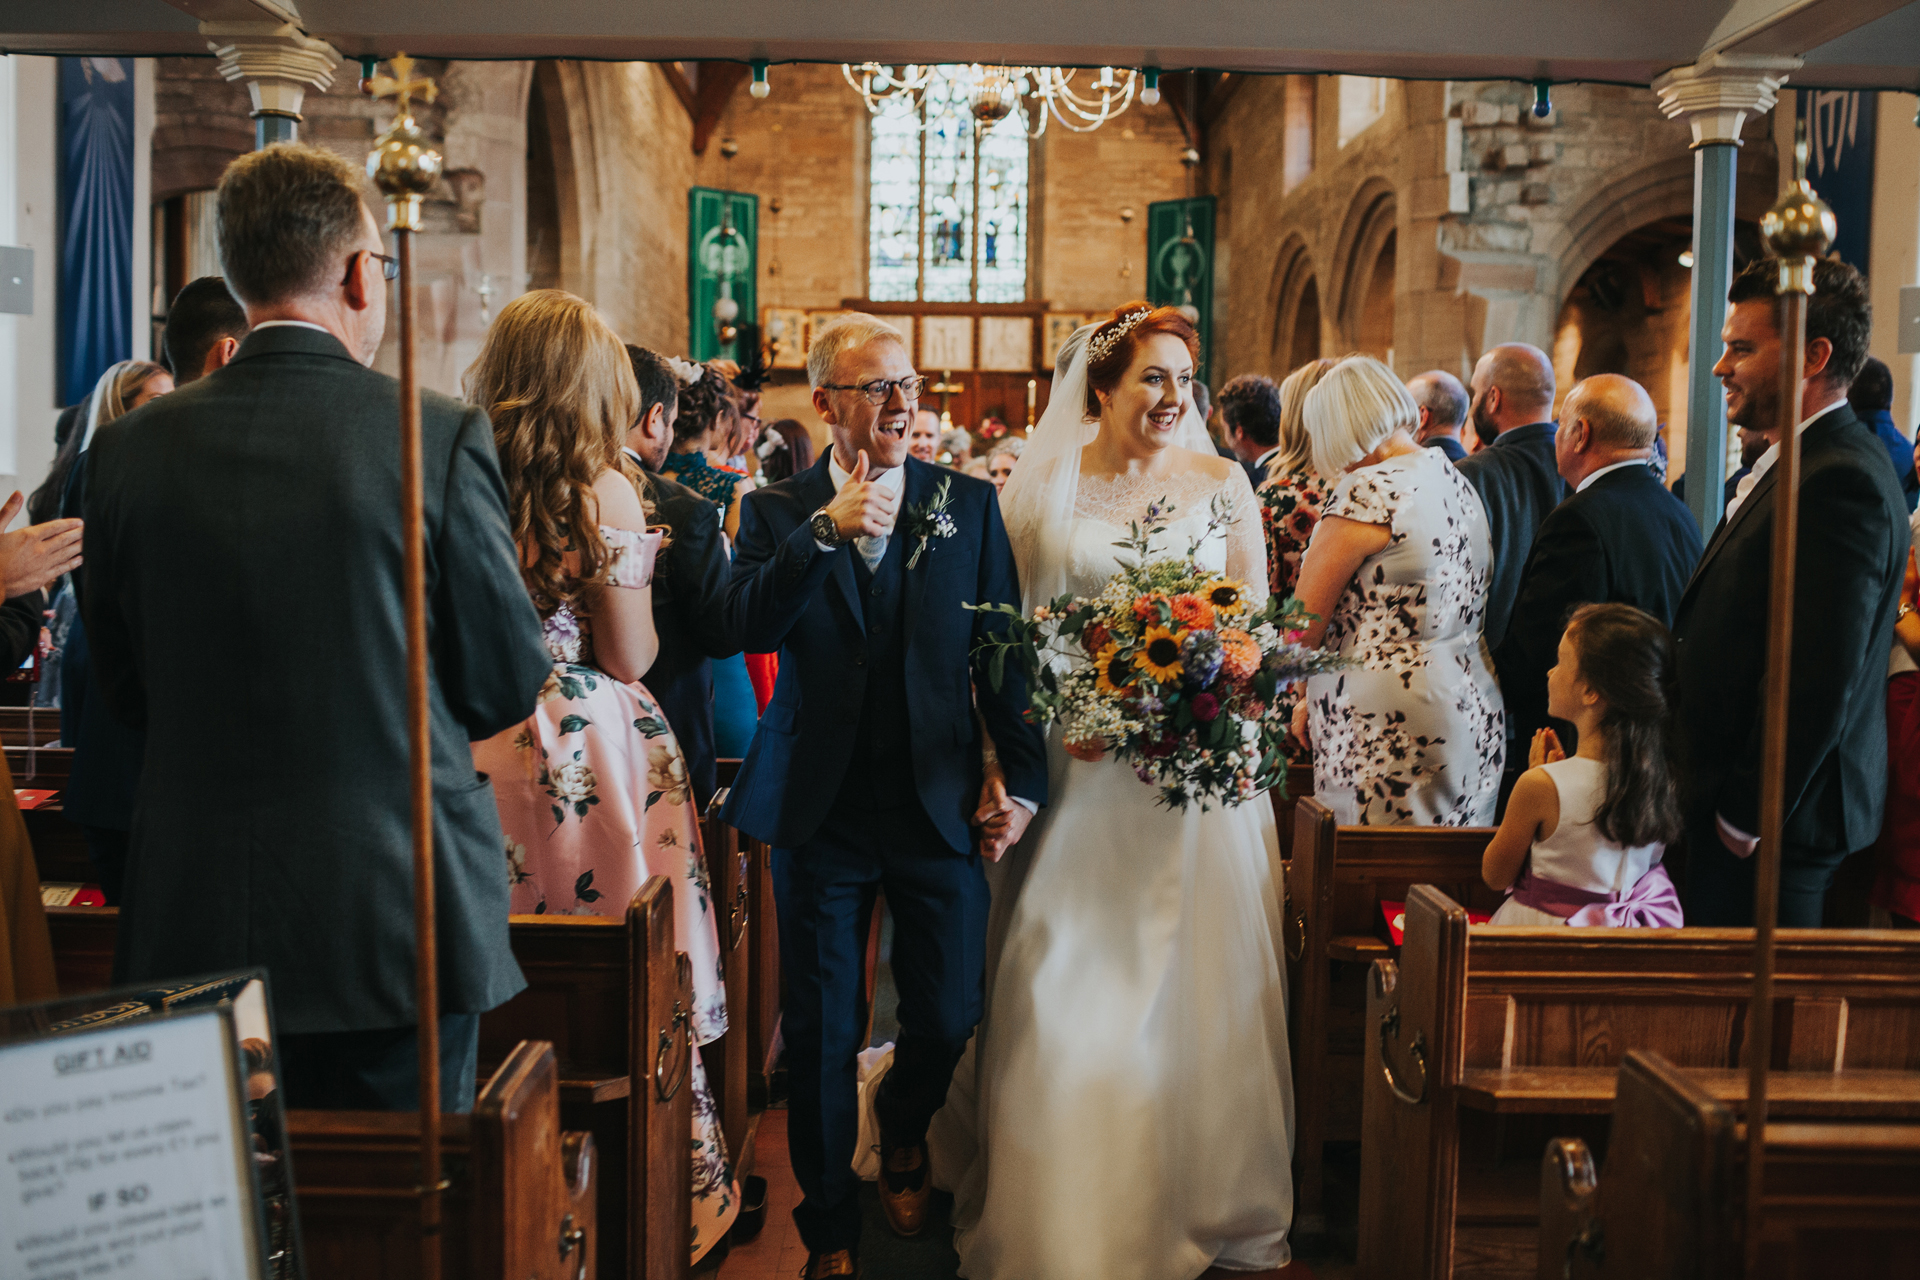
{"x":83,"y":942}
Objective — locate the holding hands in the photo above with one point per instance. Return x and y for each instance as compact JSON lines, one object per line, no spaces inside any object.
{"x":1002,"y":820}
{"x":862,"y":509}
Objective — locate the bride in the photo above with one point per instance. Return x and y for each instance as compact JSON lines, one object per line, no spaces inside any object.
{"x":1126,"y":1107}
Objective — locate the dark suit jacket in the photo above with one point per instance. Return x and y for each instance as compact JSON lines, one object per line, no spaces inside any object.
{"x":1623,"y":540}
{"x":21,"y":619}
{"x":1518,"y":482}
{"x":243,"y":555}
{"x":1852,"y":559}
{"x":689,"y":615}
{"x":1450,"y":446}
{"x":788,"y":595}
{"x":106,"y":751}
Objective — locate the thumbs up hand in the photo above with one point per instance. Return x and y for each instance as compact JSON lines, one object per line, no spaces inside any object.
{"x":862,"y":509}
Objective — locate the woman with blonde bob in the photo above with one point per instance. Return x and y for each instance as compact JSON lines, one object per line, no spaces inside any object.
{"x":592,"y":788}
{"x":1413,"y":734}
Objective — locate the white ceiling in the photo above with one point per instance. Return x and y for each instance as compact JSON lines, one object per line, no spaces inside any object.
{"x":1847,"y":43}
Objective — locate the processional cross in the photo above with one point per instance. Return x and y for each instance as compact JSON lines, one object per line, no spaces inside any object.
{"x":403,"y":86}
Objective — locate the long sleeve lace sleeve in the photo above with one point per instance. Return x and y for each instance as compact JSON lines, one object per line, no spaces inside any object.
{"x":1246,"y":539}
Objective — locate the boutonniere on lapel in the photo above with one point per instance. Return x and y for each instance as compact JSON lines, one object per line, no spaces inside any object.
{"x":929,"y":520}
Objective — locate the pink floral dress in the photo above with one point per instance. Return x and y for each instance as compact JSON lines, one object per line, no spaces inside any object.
{"x":593,"y":798}
{"x":1290,"y":503}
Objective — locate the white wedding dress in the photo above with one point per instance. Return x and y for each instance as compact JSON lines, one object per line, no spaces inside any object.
{"x":1125,"y":1110}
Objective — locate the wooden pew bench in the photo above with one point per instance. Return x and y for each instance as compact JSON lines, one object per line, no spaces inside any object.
{"x":83,"y":939}
{"x":520,"y":1200}
{"x":22,"y":726}
{"x":1671,"y":1203}
{"x":44,"y":768}
{"x":763,"y":954}
{"x":1485,"y":1042}
{"x":1336,"y":882}
{"x":1299,"y":786}
{"x":613,"y":996}
{"x":730,"y":873}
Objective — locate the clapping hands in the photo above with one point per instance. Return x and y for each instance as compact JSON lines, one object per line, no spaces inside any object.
{"x":1545,"y":749}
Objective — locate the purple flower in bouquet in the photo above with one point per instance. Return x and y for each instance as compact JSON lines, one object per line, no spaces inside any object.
{"x":1205,"y":707}
{"x":1200,"y":658}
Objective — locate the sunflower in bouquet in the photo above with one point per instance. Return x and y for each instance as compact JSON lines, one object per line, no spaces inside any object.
{"x":1171,"y":667}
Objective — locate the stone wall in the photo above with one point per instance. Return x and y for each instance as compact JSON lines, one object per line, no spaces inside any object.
{"x":1089,"y":259}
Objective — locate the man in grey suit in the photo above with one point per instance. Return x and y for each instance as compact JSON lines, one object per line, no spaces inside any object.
{"x":243,"y":551}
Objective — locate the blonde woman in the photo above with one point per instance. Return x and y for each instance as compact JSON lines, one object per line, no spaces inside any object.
{"x":1398,"y":572}
{"x":592,"y":788}
{"x":1293,"y":492}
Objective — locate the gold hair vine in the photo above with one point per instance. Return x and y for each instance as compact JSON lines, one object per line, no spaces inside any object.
{"x":1105,"y":340}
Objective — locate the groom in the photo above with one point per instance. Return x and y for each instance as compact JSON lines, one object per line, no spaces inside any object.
{"x":866,"y":770}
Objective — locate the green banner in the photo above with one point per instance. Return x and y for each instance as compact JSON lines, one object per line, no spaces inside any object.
{"x":1180,"y":263}
{"x":723,"y":254}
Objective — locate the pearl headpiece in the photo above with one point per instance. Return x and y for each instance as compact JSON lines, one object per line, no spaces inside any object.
{"x":1106,"y":339}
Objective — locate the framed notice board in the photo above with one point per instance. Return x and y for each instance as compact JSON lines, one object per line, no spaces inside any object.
{"x":723,"y":256}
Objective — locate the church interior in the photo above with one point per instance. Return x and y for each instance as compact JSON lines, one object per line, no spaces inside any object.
{"x":1415,"y":186}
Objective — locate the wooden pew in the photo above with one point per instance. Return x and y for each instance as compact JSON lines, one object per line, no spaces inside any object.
{"x":1482,"y":1043}
{"x":83,"y":941}
{"x":1299,"y":786}
{"x":59,"y":845}
{"x":1336,"y":882}
{"x":40,"y":767}
{"x":1672,"y":1202}
{"x":521,"y":1201}
{"x":613,"y":997}
{"x":727,"y":1059}
{"x":21,"y":726}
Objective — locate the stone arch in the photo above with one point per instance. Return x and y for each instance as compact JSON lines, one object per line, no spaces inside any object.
{"x":1294,"y":303}
{"x":560,"y":174}
{"x":1365,"y":266}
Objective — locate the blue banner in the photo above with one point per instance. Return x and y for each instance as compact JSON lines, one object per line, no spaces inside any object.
{"x":96,"y":220}
{"x":1840,"y":134}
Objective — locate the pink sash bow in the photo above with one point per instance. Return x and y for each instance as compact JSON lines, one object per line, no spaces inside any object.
{"x":1652,"y":902}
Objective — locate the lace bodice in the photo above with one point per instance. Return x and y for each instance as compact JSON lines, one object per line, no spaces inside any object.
{"x":569,"y":635}
{"x":1104,"y":507}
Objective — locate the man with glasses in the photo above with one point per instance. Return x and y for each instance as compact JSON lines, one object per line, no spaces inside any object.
{"x":868,"y":770}
{"x":243,"y":601}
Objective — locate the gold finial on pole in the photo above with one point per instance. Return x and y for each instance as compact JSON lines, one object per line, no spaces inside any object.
{"x":403,"y":162}
{"x":1800,"y":226}
{"x":405,"y":165}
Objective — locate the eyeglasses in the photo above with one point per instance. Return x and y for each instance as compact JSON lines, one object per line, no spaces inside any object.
{"x":389,"y":267}
{"x":880,"y":390}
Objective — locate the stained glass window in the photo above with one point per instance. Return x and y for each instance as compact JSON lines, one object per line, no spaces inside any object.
{"x":947,"y":205}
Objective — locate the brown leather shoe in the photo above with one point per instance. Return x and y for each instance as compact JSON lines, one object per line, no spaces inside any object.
{"x":905,"y":1187}
{"x":837,"y":1262}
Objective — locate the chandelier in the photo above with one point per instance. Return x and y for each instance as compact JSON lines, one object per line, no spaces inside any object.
{"x":992,"y":94}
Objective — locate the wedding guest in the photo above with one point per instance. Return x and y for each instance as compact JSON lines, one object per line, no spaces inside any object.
{"x":786,"y":449}
{"x":956,"y":448}
{"x":923,"y":437}
{"x":1896,"y":886}
{"x":1293,"y":492}
{"x":1621,"y":538}
{"x":1871,"y":396}
{"x":1413,"y":733}
{"x":1443,"y":412}
{"x":975,"y":467}
{"x":1250,"y":422}
{"x":99,"y":794}
{"x":1583,"y":836}
{"x":272,"y":488}
{"x":1516,"y":474}
{"x":592,"y":787}
{"x":702,"y":434}
{"x":1752,"y":445}
{"x":1853,"y":547}
{"x":1001,"y":459}
{"x":689,"y":581}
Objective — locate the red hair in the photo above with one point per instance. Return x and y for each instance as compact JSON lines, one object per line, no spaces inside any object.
{"x":1105,"y":370}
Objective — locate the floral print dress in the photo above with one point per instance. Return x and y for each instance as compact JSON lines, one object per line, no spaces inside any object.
{"x":1413,"y":734}
{"x":593,"y":798}
{"x":1290,"y":503}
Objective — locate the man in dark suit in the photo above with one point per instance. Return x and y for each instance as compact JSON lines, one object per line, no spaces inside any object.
{"x":1443,"y":412}
{"x":1250,"y":420}
{"x":689,"y":582}
{"x":1517,"y":475}
{"x":1620,"y":539}
{"x":243,"y":553}
{"x":1853,"y":542}
{"x":205,"y":326}
{"x":866,"y":770}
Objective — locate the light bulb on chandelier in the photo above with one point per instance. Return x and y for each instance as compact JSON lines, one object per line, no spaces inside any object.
{"x":990,"y":95}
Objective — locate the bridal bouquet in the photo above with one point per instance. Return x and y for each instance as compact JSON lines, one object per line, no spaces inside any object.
{"x":1169,"y":668}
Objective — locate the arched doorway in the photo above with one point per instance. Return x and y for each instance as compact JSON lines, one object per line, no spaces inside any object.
{"x":1375,"y":333}
{"x":1306,"y":327}
{"x":1366,"y":263}
{"x":553,"y":190}
{"x":1296,"y":311}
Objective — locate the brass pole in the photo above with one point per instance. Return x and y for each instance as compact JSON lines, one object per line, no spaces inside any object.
{"x":1798,"y":229}
{"x":404,"y":165}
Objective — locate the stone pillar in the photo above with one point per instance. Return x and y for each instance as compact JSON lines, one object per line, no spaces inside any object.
{"x":1715,"y":95}
{"x":279,"y":62}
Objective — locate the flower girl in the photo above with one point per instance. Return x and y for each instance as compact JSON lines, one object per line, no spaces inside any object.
{"x":1583,"y":835}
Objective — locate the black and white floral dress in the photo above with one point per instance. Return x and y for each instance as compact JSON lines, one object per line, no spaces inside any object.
{"x":1414,"y":733}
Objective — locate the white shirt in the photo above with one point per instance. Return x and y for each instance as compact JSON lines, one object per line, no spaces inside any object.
{"x":1768,"y":458}
{"x":888,"y":482}
{"x":1630,"y":462}
{"x":295,"y":324}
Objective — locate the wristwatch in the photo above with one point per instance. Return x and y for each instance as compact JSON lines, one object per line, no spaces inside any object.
{"x":825,"y":531}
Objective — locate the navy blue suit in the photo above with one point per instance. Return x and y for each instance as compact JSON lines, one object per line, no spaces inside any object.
{"x":863,"y":774}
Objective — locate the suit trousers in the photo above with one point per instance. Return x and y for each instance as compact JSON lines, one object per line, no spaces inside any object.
{"x":379,"y":1069}
{"x":1720,"y":886}
{"x":824,"y":893}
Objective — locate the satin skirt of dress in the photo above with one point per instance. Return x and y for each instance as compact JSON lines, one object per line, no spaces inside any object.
{"x":1125,"y":1110}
